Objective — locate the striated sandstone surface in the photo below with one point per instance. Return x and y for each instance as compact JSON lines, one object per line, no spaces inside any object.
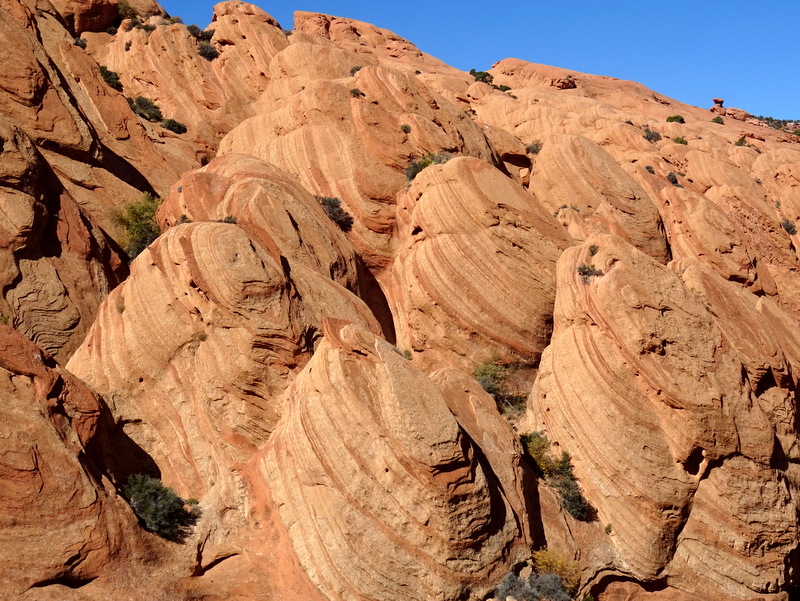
{"x":466,"y":231}
{"x":664,"y":425}
{"x":410,"y":508}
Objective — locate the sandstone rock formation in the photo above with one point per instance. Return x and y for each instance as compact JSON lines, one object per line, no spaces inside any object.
{"x":410,"y":508}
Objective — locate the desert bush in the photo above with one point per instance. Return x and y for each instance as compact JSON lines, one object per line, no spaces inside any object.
{"x":535,"y":147}
{"x":789,"y":227}
{"x":482,"y":76}
{"x":680,"y":140}
{"x":356,"y":93}
{"x":501,"y":88}
{"x":158,"y":507}
{"x":199,"y":34}
{"x":675,"y":119}
{"x":650,"y":135}
{"x":355,"y":70}
{"x":125,"y":10}
{"x":333,"y":209}
{"x":228,"y":219}
{"x":650,"y":169}
{"x":549,"y":562}
{"x":593,"y":250}
{"x":405,"y":128}
{"x":493,"y":379}
{"x":673,"y":178}
{"x":207,"y":51}
{"x":138,"y":219}
{"x":111,"y":78}
{"x":533,"y":588}
{"x":426,"y":161}
{"x":718,"y":120}
{"x":557,"y":473}
{"x":128,"y":45}
{"x":587,"y":271}
{"x":146,"y":108}
{"x":174,"y":126}
{"x":80,"y":42}
{"x":741,"y":141}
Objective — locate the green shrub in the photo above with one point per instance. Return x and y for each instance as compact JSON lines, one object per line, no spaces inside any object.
{"x":482,"y":76}
{"x":651,"y":136}
{"x":355,"y":70}
{"x":593,"y":250}
{"x":534,"y":147}
{"x":426,"y":161}
{"x":146,"y":108}
{"x":159,"y":508}
{"x":673,"y":178}
{"x":228,"y":219}
{"x":111,"y":31}
{"x":174,"y":20}
{"x":557,"y":473}
{"x":128,"y":45}
{"x":138,"y":219}
{"x":493,"y":379}
{"x":207,"y":51}
{"x":789,"y":227}
{"x":501,"y":88}
{"x":405,"y":128}
{"x":675,"y":119}
{"x":174,"y":126}
{"x":80,"y":42}
{"x":125,"y":10}
{"x":680,"y":140}
{"x":333,"y":209}
{"x":718,"y":120}
{"x":587,"y":271}
{"x":199,"y":34}
{"x":741,"y":141}
{"x":356,"y":93}
{"x":650,"y":169}
{"x":111,"y":78}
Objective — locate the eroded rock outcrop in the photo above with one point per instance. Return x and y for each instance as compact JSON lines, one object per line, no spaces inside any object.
{"x":467,"y":232}
{"x":645,"y":388}
{"x":384,"y":495}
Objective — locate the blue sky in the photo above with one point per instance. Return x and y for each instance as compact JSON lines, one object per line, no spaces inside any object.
{"x":743,"y":51}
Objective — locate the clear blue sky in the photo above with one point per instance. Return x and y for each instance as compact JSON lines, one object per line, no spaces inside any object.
{"x":746,"y":52}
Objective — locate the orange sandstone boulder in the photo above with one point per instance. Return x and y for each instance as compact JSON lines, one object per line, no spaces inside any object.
{"x":384,"y":495}
{"x":474,"y":277}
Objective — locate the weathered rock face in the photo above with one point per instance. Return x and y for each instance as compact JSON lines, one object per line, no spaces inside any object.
{"x":466,"y":230}
{"x":58,"y":525}
{"x":410,"y":508}
{"x":57,"y":265}
{"x":340,"y":134}
{"x":644,"y":385}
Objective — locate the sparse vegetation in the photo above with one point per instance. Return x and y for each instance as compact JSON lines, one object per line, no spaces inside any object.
{"x":673,"y":179}
{"x":650,"y":135}
{"x":199,"y":34}
{"x":355,"y":70}
{"x":160,"y":510}
{"x":356,"y":93}
{"x":650,"y":169}
{"x":741,"y":142}
{"x":138,"y":219}
{"x":501,"y":88}
{"x":558,"y":474}
{"x":493,"y":378}
{"x":111,"y":31}
{"x":125,"y":10}
{"x":333,"y":209}
{"x":587,"y":271}
{"x":207,"y":51}
{"x":111,"y":78}
{"x":593,"y":250}
{"x":534,"y":147}
{"x":426,"y":161}
{"x":128,"y":45}
{"x":719,"y":120}
{"x":146,"y":108}
{"x":789,"y":226}
{"x":549,"y":562}
{"x":608,"y":529}
{"x":228,"y":219}
{"x":481,"y":76}
{"x":174,"y":126}
{"x":533,"y":588}
{"x":80,"y":42}
{"x":680,"y":140}
{"x":405,"y":128}
{"x":675,"y":119}
{"x":776,"y":123}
